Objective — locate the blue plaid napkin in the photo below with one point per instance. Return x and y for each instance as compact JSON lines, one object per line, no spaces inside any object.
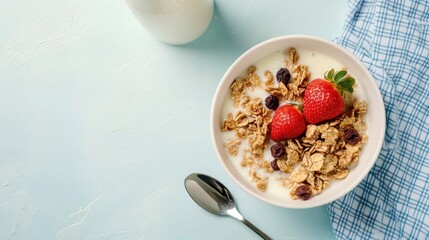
{"x":391,"y":37}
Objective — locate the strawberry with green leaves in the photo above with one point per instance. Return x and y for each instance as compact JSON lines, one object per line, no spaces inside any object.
{"x":324,"y":98}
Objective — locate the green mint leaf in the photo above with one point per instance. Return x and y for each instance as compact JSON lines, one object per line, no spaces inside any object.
{"x":346,"y":84}
{"x":339,"y":75}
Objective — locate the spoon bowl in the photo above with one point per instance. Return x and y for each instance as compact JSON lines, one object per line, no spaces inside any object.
{"x":214,"y":197}
{"x":210,"y":194}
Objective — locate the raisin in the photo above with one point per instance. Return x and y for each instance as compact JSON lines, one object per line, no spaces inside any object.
{"x":278,"y":150}
{"x":274,"y":165}
{"x":351,"y":136}
{"x":303,"y":192}
{"x":283,"y":75}
{"x":272,"y":102}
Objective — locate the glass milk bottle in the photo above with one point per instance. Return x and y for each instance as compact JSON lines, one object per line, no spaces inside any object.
{"x":173,"y":21}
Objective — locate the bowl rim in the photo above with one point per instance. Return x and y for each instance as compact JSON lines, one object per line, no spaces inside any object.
{"x":224,"y":81}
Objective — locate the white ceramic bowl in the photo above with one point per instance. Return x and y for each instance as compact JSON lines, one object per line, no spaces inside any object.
{"x":375,"y":118}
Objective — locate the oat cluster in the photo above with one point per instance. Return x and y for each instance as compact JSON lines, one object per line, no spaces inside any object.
{"x":294,"y":90}
{"x":250,"y":121}
{"x":323,"y":154}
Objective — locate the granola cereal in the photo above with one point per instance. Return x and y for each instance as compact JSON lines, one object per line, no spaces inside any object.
{"x":326,"y":152}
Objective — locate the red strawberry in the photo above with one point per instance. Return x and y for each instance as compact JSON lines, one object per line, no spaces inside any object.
{"x":287,"y":123}
{"x":324,"y":99}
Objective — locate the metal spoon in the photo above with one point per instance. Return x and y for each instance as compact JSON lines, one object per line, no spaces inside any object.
{"x":215,"y":198}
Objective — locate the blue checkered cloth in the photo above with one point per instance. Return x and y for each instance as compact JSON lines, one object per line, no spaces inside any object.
{"x":391,"y":37}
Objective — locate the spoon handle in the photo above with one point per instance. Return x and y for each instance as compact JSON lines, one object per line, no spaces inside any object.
{"x":255,"y":229}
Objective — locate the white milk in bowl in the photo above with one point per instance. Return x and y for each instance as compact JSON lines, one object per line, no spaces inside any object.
{"x":257,"y":170}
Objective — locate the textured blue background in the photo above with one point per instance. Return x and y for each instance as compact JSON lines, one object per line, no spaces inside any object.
{"x":100,"y":123}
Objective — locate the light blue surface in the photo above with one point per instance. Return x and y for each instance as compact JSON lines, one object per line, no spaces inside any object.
{"x":100,"y":123}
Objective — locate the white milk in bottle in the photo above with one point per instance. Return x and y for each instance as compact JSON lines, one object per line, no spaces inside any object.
{"x":173,"y":21}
